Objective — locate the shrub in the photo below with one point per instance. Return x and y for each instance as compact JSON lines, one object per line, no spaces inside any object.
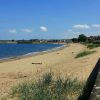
{"x":91,"y":46}
{"x":84,"y":53}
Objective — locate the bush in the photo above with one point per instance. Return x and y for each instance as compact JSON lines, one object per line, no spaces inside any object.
{"x":91,"y":46}
{"x":84,"y":53}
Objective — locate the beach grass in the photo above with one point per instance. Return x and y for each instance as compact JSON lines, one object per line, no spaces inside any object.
{"x":48,"y":88}
{"x":92,"y":46}
{"x":84,"y":53}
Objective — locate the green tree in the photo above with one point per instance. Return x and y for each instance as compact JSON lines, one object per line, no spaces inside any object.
{"x":75,"y":40}
{"x":82,"y":38}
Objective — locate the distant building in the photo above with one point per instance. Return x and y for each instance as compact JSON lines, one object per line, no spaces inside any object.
{"x":94,"y":39}
{"x":37,"y":41}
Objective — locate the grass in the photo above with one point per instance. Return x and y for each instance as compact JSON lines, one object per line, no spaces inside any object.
{"x":91,"y":46}
{"x":84,"y":53}
{"x":46,"y":88}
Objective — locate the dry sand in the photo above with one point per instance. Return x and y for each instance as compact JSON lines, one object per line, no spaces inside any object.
{"x":61,"y":63}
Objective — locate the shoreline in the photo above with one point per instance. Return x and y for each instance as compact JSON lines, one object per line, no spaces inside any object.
{"x":33,"y":54}
{"x":60,"y":61}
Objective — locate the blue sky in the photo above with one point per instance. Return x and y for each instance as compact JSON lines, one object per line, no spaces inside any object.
{"x":48,"y":19}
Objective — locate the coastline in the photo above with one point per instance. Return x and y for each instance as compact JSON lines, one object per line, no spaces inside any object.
{"x":33,"y":54}
{"x":61,"y":62}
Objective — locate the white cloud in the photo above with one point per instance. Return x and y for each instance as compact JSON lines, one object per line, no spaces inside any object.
{"x":27,"y":30}
{"x":12,"y":31}
{"x":82,"y":26}
{"x":96,"y":25}
{"x":43,"y":28}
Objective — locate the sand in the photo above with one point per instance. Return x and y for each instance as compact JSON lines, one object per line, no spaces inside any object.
{"x":61,"y":62}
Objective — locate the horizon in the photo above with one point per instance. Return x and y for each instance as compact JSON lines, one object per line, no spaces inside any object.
{"x":48,"y":19}
{"x":48,"y":39}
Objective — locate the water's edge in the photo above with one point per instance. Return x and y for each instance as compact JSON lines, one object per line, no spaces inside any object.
{"x":33,"y":54}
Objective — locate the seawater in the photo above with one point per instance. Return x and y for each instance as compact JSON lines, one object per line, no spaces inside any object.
{"x":14,"y":50}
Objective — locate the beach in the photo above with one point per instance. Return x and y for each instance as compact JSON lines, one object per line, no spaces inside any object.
{"x":60,"y":62}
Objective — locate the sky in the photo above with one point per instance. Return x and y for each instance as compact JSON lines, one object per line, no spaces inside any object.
{"x":48,"y":19}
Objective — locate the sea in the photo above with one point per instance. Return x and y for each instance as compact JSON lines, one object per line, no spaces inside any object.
{"x":15,"y":50}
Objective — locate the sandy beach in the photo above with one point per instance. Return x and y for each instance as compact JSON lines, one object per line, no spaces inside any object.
{"x":61,"y":62}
